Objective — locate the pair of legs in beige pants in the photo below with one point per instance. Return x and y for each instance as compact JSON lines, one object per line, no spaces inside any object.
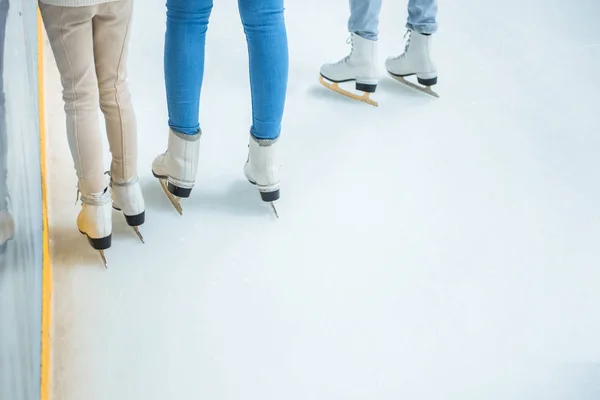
{"x":90,"y":45}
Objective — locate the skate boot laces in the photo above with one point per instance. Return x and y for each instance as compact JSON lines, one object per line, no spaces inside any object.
{"x":406,"y":40}
{"x":345,"y":59}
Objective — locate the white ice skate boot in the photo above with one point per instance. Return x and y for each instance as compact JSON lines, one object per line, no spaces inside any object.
{"x":415,"y":60}
{"x":95,"y":220}
{"x":7,"y":229}
{"x":262,"y":168}
{"x":359,"y":66}
{"x":176,"y":169}
{"x":128,"y":198}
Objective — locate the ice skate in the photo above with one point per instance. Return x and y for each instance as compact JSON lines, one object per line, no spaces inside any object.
{"x":176,"y":168}
{"x":262,"y":169}
{"x":359,"y":67}
{"x":128,"y":198}
{"x":95,"y":221}
{"x":7,"y":229}
{"x":415,"y":60}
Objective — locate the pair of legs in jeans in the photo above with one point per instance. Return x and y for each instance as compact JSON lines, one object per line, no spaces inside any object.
{"x":360,"y":65}
{"x":266,"y":37}
{"x":364,"y":17}
{"x":264,"y":26}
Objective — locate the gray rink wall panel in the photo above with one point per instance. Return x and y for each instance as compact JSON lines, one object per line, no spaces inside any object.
{"x":21,"y":262}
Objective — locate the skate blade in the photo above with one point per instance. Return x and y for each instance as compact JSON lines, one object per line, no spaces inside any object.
{"x":138,"y":233}
{"x":174,"y":200}
{"x":274,"y":210}
{"x":365,"y":97}
{"x":424,"y":89}
{"x":103,"y":258}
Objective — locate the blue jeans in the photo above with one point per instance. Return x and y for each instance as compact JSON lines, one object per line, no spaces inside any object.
{"x":266,"y":36}
{"x":364,"y":17}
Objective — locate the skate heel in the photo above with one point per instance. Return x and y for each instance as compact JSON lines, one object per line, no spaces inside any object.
{"x":174,"y":187}
{"x":366,"y":87}
{"x":128,"y":199}
{"x":178,"y":191}
{"x":136,"y":220}
{"x":269,"y":197}
{"x":427,"y":80}
{"x":267,"y":194}
{"x":99,"y":243}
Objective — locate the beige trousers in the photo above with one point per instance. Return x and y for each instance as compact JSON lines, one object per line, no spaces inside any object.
{"x":90,"y":45}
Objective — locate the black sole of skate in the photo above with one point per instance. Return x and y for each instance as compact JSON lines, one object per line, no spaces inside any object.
{"x":99,"y":244}
{"x":268,"y":197}
{"x":366,"y":88}
{"x":426,"y":82}
{"x":422,"y":81}
{"x":134,"y":220}
{"x":177,"y":191}
{"x":363,"y":87}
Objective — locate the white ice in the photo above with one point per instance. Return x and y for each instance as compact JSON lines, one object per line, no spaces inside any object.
{"x":427,"y":249}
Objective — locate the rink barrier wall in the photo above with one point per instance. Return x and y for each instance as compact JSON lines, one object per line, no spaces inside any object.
{"x":45,"y":367}
{"x":25,"y":257}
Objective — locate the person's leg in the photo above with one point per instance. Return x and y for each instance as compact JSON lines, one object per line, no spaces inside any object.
{"x":364,"y":18}
{"x":422,"y":16}
{"x":266,"y":36}
{"x":264,"y":26}
{"x":70,"y":33}
{"x":361,"y":64}
{"x":71,"y":37}
{"x":416,"y":58}
{"x":112,"y":28}
{"x":185,"y":38}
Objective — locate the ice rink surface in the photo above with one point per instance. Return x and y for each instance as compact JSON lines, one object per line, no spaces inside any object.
{"x":427,"y":249}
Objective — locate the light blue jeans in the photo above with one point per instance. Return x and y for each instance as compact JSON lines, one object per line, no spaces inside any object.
{"x":364,"y":17}
{"x":266,"y":37}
